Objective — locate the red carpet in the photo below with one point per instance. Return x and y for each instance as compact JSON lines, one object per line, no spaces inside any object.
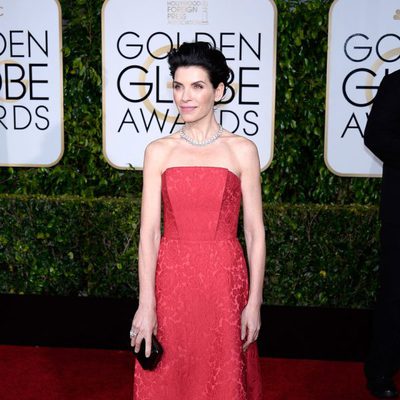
{"x":32,"y":373}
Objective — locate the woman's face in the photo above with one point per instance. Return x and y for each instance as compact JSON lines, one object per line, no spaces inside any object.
{"x":194,"y":94}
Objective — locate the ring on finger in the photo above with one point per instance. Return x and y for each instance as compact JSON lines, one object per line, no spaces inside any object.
{"x":132,"y":334}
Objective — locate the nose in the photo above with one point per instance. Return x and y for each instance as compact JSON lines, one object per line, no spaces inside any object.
{"x":186,"y":95}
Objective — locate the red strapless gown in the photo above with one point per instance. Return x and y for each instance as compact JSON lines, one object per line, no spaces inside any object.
{"x":201,"y":290}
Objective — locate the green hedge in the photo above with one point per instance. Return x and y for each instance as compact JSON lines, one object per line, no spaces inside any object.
{"x":68,"y":246}
{"x":317,"y":255}
{"x":297,"y":174}
{"x":322,"y":255}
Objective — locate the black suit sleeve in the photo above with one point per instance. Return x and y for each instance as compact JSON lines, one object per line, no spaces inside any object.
{"x":382,"y":133}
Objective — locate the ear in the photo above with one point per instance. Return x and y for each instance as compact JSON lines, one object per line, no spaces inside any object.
{"x":219,"y":92}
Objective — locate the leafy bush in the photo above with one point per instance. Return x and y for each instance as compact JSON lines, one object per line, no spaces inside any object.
{"x":322,"y":255}
{"x":68,"y":246}
{"x":317,"y":255}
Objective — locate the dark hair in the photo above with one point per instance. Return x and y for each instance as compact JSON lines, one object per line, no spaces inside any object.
{"x":201,"y":54}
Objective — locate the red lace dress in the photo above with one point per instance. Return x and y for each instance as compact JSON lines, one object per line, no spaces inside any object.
{"x":201,"y":290}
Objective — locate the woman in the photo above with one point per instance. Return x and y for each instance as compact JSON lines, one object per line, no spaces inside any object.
{"x":194,"y":290}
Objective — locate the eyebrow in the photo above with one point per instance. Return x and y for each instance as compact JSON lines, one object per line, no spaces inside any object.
{"x":193,"y":83}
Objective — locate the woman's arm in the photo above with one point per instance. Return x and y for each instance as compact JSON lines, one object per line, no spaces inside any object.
{"x":145,"y":319}
{"x":255,"y":239}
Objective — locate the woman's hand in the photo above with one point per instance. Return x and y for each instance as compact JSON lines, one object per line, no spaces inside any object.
{"x":251,"y":323}
{"x":144,"y":324}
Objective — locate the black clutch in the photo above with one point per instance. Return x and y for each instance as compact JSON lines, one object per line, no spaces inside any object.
{"x":149,"y":363}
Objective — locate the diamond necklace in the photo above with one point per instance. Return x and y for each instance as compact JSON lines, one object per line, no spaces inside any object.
{"x":213,"y":138}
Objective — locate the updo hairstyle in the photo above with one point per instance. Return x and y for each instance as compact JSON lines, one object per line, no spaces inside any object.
{"x":201,"y":54}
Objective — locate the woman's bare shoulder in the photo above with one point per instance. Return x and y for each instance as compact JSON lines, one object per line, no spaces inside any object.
{"x":162,"y":145}
{"x":239,"y":144}
{"x":244,"y":152}
{"x":159,"y":150}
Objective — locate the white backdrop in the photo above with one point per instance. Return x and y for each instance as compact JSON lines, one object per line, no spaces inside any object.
{"x":364,"y":44}
{"x":137,"y":95}
{"x":31,"y":95}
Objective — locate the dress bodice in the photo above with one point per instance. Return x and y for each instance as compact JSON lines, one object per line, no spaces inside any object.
{"x":200,"y":203}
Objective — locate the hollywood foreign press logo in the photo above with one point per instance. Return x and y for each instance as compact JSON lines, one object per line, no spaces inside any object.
{"x":187,"y":12}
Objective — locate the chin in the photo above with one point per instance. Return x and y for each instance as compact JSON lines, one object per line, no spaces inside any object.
{"x":188,"y":119}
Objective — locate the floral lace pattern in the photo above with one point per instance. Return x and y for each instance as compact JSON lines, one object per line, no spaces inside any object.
{"x":201,"y":289}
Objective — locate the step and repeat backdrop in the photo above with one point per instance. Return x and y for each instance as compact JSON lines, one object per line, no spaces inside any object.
{"x":137,"y":95}
{"x":31,"y":83}
{"x":363,"y":46}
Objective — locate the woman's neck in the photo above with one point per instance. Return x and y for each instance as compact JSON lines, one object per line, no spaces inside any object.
{"x":201,"y":130}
